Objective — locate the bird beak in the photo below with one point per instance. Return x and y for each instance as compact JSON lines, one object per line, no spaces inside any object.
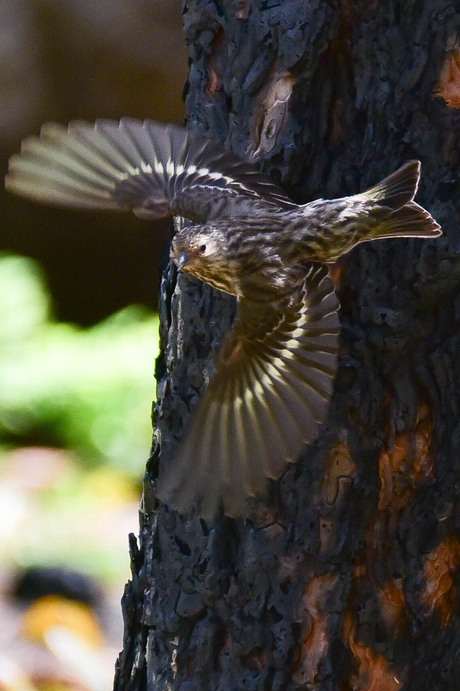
{"x":182,"y":259}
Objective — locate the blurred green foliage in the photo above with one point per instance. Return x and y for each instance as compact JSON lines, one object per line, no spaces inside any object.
{"x":86,"y":390}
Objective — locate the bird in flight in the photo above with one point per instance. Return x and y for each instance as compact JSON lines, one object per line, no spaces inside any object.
{"x":275,"y":370}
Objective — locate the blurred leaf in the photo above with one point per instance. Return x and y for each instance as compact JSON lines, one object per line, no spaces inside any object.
{"x":24,"y":303}
{"x":89,"y":390}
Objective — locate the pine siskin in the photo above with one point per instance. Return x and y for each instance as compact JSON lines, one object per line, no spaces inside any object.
{"x":275,"y":370}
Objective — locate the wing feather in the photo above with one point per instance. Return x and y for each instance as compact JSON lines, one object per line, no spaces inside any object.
{"x":274,"y":378}
{"x":270,"y":442}
{"x":155,"y":170}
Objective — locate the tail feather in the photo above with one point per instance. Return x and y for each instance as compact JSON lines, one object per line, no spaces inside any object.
{"x":409,"y":221}
{"x":397,"y":189}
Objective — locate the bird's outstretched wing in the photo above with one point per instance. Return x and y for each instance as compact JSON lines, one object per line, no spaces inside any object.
{"x":274,"y":378}
{"x":155,"y":170}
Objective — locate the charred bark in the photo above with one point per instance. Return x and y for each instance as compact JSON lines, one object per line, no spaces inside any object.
{"x":347,"y":578}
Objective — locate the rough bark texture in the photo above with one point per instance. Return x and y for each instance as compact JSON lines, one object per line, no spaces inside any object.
{"x":347,"y":578}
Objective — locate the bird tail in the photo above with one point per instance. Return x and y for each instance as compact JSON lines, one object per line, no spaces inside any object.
{"x":411,"y":221}
{"x":407,"y":219}
{"x":386,"y":210}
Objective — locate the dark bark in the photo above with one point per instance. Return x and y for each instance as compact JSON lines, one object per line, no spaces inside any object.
{"x":347,"y":578}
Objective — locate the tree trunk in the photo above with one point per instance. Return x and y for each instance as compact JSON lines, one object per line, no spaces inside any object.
{"x":347,"y":577}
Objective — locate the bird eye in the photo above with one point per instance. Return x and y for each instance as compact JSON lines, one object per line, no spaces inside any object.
{"x":202,"y":248}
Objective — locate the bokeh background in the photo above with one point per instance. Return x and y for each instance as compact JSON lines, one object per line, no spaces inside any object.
{"x":78,"y":339}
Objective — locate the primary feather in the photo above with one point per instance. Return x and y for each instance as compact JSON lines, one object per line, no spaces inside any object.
{"x":155,"y":170}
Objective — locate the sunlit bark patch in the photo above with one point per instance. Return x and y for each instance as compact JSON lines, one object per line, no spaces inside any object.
{"x":373,"y":672}
{"x":213,"y":81}
{"x":423,"y":459}
{"x":409,"y":461}
{"x":272,"y":112}
{"x":406,"y":464}
{"x":448,"y":86}
{"x":215,"y":65}
{"x":314,"y":627}
{"x":440,"y":593}
{"x":338,"y":473}
{"x":393,"y":607}
{"x":242,"y":9}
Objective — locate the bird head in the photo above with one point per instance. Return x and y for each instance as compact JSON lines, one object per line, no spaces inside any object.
{"x":202,"y":251}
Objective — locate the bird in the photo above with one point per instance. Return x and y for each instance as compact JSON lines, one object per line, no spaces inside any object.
{"x":275,"y":370}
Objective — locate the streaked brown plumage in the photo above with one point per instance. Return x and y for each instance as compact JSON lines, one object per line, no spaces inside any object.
{"x":275,"y":371}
